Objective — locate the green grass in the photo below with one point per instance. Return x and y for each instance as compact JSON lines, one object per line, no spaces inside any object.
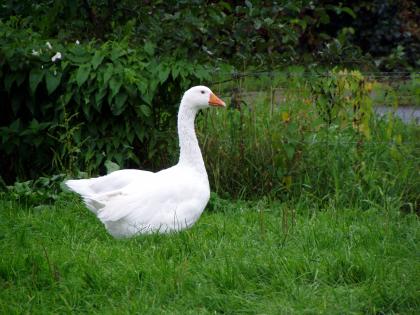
{"x":240,"y":258}
{"x":287,"y":148}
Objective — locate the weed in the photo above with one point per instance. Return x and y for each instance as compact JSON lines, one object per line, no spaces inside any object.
{"x":319,"y":138}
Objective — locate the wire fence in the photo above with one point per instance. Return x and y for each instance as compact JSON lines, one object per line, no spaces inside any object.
{"x":399,"y":90}
{"x":372,"y":75}
{"x":278,"y":92}
{"x":334,"y":142}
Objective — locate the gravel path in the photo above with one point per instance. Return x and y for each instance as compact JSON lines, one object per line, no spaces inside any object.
{"x":407,"y":113}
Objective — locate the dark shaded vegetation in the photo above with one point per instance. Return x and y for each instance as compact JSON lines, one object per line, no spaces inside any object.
{"x":97,"y":102}
{"x":239,"y":32}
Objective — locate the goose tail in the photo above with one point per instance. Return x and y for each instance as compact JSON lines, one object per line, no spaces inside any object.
{"x":80,"y":186}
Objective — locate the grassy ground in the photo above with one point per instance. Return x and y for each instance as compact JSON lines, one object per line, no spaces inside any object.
{"x":240,"y":258}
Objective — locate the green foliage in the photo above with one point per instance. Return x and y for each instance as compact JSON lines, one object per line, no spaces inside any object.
{"x":250,"y":32}
{"x":243,"y":258}
{"x":388,"y":30}
{"x":315,"y":135}
{"x":69,"y":106}
{"x":36,"y":192}
{"x":342,"y":97}
{"x":240,"y":33}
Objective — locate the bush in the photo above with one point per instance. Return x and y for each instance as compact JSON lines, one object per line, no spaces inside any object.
{"x":242,"y":33}
{"x":69,"y":106}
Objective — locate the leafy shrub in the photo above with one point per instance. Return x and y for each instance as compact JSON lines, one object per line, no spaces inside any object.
{"x":40,"y":191}
{"x":388,"y":30}
{"x":342,"y":97}
{"x":98,"y":101}
{"x":241,"y":33}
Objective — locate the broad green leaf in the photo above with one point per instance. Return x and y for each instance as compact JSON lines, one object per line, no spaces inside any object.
{"x":82,"y":74}
{"x":175,"y":71}
{"x":111,"y":166}
{"x":99,"y":96}
{"x":79,"y":55}
{"x":130,"y":137}
{"x":141,"y":86}
{"x":64,"y":64}
{"x":202,"y":73}
{"x":147,"y":98}
{"x":149,"y":48}
{"x":290,"y":151}
{"x":163,"y":74}
{"x":66,"y":97}
{"x":145,"y":110}
{"x":133,"y":157}
{"x":292,"y":127}
{"x":131,"y":91}
{"x":86,"y":109}
{"x":15,"y":125}
{"x":117,"y":52}
{"x":97,"y":59}
{"x":115,"y":85}
{"x":119,"y":102}
{"x":35,"y":77}
{"x":108,"y":72}
{"x":52,"y":80}
{"x":34,"y":125}
{"x":140,"y":132}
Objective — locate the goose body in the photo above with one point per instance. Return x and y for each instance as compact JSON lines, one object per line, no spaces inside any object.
{"x":130,"y":202}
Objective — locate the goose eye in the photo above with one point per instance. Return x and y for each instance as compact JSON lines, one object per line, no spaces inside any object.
{"x":202,"y":92}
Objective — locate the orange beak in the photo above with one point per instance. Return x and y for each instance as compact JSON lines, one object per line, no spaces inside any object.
{"x":215,"y":101}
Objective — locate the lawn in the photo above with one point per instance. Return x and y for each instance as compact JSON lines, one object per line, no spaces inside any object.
{"x":240,"y":258}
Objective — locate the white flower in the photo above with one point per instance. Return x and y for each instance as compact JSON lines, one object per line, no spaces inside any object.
{"x":57,"y":56}
{"x":35,"y":53}
{"x":77,"y":42}
{"x":207,"y":51}
{"x":48,"y":45}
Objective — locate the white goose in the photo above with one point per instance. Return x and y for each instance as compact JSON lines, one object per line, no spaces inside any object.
{"x":130,"y":202}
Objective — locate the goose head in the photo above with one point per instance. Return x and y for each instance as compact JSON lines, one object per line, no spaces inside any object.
{"x":199,"y":97}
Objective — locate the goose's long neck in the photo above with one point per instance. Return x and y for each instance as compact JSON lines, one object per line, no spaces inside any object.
{"x":190,"y":153}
